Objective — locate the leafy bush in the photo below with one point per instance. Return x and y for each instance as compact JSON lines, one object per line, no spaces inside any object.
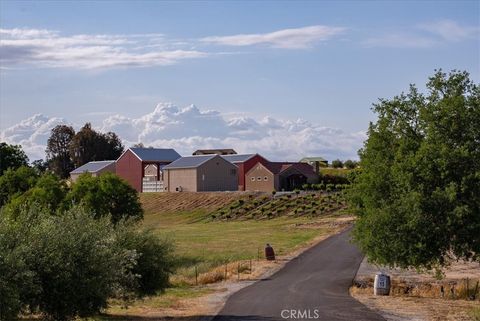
{"x":69,"y":265}
{"x":107,"y":194}
{"x":11,"y":157}
{"x":350,"y":164}
{"x":49,"y":193}
{"x":15,"y":182}
{"x":154,"y":262}
{"x":337,"y":163}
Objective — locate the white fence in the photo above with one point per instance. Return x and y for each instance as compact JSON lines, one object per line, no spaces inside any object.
{"x":152,"y":186}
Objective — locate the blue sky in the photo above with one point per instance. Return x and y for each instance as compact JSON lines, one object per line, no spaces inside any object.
{"x":324,"y":62}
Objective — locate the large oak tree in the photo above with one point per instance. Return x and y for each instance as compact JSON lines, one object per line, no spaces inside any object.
{"x":418,"y":194}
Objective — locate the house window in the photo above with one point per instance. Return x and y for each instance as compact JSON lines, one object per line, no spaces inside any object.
{"x":265,"y":178}
{"x":233,"y":172}
{"x":259,"y":178}
{"x":252,"y":179}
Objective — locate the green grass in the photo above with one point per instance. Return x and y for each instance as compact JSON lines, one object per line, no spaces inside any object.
{"x":205,"y":243}
{"x":475,"y":313}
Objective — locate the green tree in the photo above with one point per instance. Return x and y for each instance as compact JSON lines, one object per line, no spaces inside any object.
{"x":337,"y":163}
{"x":67,"y":266}
{"x":418,"y":195}
{"x":58,"y":150}
{"x":40,"y":165}
{"x":16,"y":280}
{"x":155,"y":261}
{"x":11,"y":156}
{"x":107,"y":194}
{"x":113,"y":147}
{"x":88,"y":145}
{"x":14,"y":183}
{"x":48,"y":192}
{"x":350,"y":164}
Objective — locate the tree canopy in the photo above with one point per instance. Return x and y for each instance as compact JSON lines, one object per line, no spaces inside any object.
{"x":418,"y":193}
{"x":11,"y":156}
{"x":67,"y":150}
{"x":58,"y":150}
{"x":105,"y":195}
{"x":15,"y":182}
{"x":69,"y":265}
{"x":88,"y":145}
{"x":337,"y":163}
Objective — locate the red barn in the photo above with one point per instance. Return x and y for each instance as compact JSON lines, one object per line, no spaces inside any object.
{"x":244,"y":162}
{"x":142,"y":167}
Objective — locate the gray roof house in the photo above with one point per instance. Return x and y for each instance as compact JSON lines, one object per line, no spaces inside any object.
{"x":95,"y":168}
{"x":200,"y":173}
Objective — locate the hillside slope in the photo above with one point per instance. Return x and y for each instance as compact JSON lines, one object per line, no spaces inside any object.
{"x":185,"y":201}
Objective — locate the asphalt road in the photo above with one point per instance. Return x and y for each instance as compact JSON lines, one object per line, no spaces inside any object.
{"x":313,"y":286}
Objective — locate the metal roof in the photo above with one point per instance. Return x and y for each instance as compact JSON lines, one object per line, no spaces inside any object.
{"x":281,"y":167}
{"x":190,"y":161}
{"x":92,"y":167}
{"x":238,"y":158}
{"x":156,"y":154}
{"x":313,"y":159}
{"x":224,"y":151}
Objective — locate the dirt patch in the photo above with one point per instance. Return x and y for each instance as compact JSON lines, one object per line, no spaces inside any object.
{"x":461,"y":280}
{"x":417,"y":309}
{"x":421,"y":296}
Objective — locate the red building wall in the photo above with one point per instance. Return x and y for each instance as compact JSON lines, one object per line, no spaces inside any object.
{"x":243,"y":168}
{"x":130,"y":168}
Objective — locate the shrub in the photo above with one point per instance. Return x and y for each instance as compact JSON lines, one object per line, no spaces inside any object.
{"x":15,"y":182}
{"x":154,"y":261}
{"x":337,"y":163}
{"x":350,"y":164}
{"x":69,"y":265}
{"x":63,"y":254}
{"x":49,"y":193}
{"x":106,"y":195}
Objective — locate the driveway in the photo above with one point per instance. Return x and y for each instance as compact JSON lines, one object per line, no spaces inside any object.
{"x":313,"y":286}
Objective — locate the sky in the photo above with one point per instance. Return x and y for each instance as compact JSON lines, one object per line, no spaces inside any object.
{"x":286,"y":79}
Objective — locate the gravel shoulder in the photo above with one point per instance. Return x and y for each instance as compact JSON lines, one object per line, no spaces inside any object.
{"x":418,"y":296}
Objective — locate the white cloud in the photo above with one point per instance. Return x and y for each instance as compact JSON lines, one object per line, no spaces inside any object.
{"x":190,"y":128}
{"x":425,"y":35}
{"x":45,"y":48}
{"x":32,"y":133}
{"x":297,"y":38}
{"x":450,"y":30}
